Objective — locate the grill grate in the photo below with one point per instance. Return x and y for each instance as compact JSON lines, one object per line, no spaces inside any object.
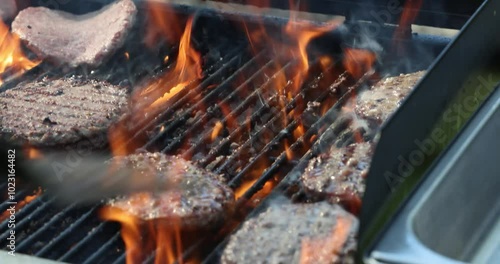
{"x":79,"y":234}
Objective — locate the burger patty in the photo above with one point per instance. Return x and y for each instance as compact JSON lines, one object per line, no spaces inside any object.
{"x":74,"y":40}
{"x":339,"y":175}
{"x":294,"y":233}
{"x":383,"y":98}
{"x":196,"y":198}
{"x":53,"y":113}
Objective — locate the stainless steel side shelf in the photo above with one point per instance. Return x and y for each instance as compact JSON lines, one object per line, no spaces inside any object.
{"x":454,"y":216}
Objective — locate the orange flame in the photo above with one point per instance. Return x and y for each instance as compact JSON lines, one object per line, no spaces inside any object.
{"x":187,"y":69}
{"x":245,"y":186}
{"x":141,"y":237}
{"x":288,"y":151}
{"x":12,"y":59}
{"x":303,"y":32}
{"x":357,"y":62}
{"x":326,"y":250}
{"x":130,"y":232}
{"x":144,"y":237}
{"x":408,"y":16}
{"x":217,"y":129}
{"x":32,"y":153}
{"x":155,"y":97}
{"x":22,"y":204}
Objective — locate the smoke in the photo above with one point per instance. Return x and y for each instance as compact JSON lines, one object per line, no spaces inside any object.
{"x":375,"y":27}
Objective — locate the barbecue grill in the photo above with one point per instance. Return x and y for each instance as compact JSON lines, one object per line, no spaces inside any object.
{"x":261,"y":146}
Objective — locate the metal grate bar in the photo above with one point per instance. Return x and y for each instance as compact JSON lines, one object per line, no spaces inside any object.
{"x":257,"y":114}
{"x":77,"y":224}
{"x":281,"y":135}
{"x":274,"y":142}
{"x":23,"y":211}
{"x":122,"y":258}
{"x":282,"y":158}
{"x":26,"y":221}
{"x":205,"y":115}
{"x":330,"y":133}
{"x":18,"y":197}
{"x":31,"y":239}
{"x":179,"y":103}
{"x":182,"y":97}
{"x":185,"y":255}
{"x":227,"y":140}
{"x":87,"y":240}
{"x":237,"y":111}
{"x":105,"y":248}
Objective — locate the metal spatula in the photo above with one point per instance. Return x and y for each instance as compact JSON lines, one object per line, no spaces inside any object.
{"x":86,"y":180}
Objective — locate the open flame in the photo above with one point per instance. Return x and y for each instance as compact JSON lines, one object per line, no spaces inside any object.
{"x":408,"y":16}
{"x":326,"y":249}
{"x":31,"y":152}
{"x":357,"y":62}
{"x":154,"y":98}
{"x":144,"y":237}
{"x":187,"y":70}
{"x":22,"y":203}
{"x":13,"y":62}
{"x":217,"y":130}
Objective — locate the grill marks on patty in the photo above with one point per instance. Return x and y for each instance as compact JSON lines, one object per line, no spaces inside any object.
{"x":196,"y":199}
{"x":286,"y":233}
{"x":339,"y":175}
{"x":51,"y":113}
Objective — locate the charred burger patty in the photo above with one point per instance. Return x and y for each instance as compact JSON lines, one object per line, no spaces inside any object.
{"x":196,"y":198}
{"x":61,"y":112}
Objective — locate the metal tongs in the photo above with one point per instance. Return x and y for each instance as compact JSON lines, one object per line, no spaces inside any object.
{"x":84,"y":180}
